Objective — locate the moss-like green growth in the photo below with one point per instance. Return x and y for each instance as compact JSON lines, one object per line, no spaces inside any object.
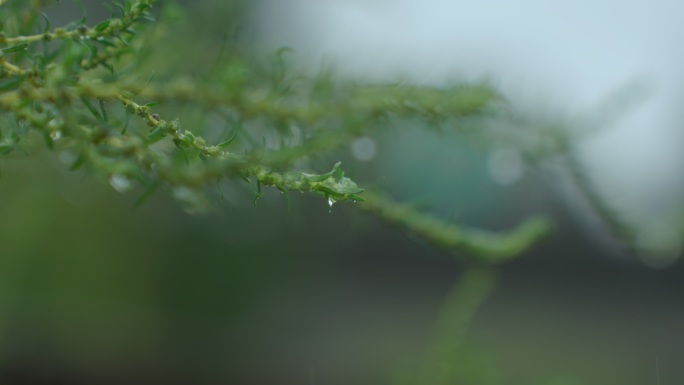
{"x":84,"y":89}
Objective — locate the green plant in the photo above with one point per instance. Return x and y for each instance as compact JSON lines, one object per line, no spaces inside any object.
{"x":85,"y":90}
{"x":104,"y":95}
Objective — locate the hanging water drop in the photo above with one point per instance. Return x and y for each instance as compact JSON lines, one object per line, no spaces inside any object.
{"x":331,"y":202}
{"x":120,"y":183}
{"x":55,"y":135}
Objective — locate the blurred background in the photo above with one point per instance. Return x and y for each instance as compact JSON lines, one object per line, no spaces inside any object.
{"x":93,"y":290}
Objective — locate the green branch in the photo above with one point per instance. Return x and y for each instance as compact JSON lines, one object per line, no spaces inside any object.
{"x":110,"y":123}
{"x":132,"y":13}
{"x":490,"y":247}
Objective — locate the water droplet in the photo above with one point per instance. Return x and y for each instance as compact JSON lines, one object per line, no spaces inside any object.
{"x":331,"y":202}
{"x":55,"y":135}
{"x":120,"y":183}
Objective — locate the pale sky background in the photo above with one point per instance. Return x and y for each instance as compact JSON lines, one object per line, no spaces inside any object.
{"x":564,"y":58}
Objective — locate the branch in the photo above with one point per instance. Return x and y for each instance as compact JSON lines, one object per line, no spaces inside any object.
{"x":484,"y":246}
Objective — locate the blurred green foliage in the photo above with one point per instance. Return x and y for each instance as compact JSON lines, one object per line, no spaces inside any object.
{"x":93,"y":290}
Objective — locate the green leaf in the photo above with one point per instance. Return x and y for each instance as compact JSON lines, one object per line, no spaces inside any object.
{"x":323,"y":177}
{"x":123,"y":41}
{"x":109,"y":67}
{"x":6,"y":148}
{"x":103,"y":110}
{"x":142,"y":7}
{"x":105,"y":42}
{"x":284,"y":191}
{"x":156,"y":134}
{"x":48,"y":141}
{"x":84,"y":16}
{"x":46,"y":30}
{"x":121,"y":9}
{"x":11,"y":83}
{"x":229,"y":141}
{"x":127,"y":121}
{"x":91,"y":108}
{"x":258,"y":193}
{"x":93,"y":50}
{"x":77,"y":163}
{"x":103,"y":25}
{"x":15,"y":48}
